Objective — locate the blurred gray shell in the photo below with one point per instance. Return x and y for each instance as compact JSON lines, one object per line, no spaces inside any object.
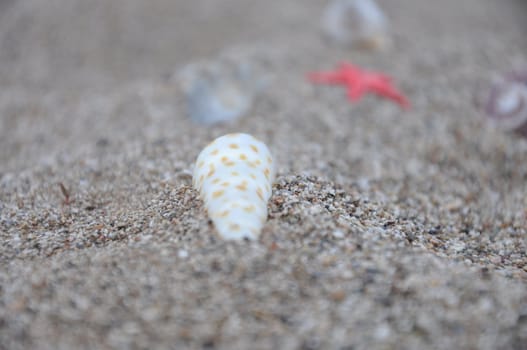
{"x":219,"y":91}
{"x":356,"y":22}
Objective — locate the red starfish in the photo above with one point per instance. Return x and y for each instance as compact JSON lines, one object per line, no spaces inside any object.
{"x":359,"y":82}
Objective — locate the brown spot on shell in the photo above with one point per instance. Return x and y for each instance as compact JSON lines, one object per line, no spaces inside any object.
{"x":242,"y":186}
{"x":249,"y":208}
{"x":218,"y":194}
{"x":211,"y":170}
{"x":234,"y":227}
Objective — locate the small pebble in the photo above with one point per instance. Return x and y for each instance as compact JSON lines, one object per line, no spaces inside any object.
{"x":183,"y":254}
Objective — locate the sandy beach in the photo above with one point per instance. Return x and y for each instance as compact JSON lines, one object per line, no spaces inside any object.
{"x":387,"y":228}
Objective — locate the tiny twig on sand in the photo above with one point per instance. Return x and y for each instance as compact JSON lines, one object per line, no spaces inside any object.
{"x":67,"y":199}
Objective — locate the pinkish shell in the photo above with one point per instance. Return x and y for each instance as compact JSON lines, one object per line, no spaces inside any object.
{"x":505,"y":102}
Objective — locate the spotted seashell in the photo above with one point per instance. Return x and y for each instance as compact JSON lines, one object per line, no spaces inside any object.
{"x":505,"y":102}
{"x":356,"y":23}
{"x":234,"y":176}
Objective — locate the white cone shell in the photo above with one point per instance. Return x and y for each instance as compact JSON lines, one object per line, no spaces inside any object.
{"x":234,"y":176}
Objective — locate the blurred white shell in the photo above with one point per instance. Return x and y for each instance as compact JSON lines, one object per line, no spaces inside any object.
{"x":219,"y":91}
{"x":356,"y":23}
{"x":505,"y":102}
{"x":234,"y":176}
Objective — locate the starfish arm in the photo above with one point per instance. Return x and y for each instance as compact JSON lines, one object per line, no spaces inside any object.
{"x":325,"y":77}
{"x":403,"y":102}
{"x":384,"y":78}
{"x":355,"y":92}
{"x":394,"y":95}
{"x":376,"y":81}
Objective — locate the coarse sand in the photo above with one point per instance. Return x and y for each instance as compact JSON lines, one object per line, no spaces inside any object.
{"x":387,"y":229}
